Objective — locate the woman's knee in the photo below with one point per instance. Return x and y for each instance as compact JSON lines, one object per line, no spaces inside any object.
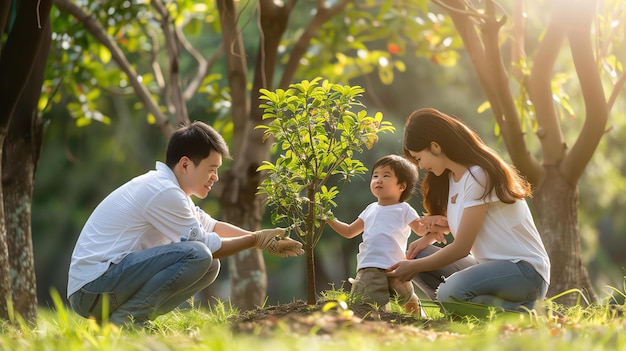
{"x":450,"y":291}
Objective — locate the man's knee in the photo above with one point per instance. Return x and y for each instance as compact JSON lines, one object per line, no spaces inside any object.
{"x":197,"y":249}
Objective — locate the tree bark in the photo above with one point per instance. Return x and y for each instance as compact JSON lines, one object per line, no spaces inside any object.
{"x":556,"y":202}
{"x":240,"y":204}
{"x":21,"y":68}
{"x":21,"y":151}
{"x":247,"y":268}
{"x":5,"y":280}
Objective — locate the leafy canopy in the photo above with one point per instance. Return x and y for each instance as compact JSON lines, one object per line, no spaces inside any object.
{"x":317,"y":134}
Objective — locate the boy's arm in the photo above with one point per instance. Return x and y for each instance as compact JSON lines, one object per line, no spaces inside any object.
{"x":347,"y":230}
{"x":430,"y":224}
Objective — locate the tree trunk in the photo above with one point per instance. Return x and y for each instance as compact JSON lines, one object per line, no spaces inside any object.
{"x":556,"y":202}
{"x":21,"y":151}
{"x":239,"y":202}
{"x":21,"y":74}
{"x":241,"y":207}
{"x":309,"y":247}
{"x":18,"y":171}
{"x":5,"y":281}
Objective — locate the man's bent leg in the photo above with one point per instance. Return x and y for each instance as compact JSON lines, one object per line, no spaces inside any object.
{"x":142,"y":285}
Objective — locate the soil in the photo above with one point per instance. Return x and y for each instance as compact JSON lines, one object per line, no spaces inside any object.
{"x":332,"y":318}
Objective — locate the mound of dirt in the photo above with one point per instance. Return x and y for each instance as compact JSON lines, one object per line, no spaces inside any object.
{"x":302,"y":319}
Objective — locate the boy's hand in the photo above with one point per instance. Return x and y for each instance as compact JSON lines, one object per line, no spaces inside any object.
{"x":276,"y":241}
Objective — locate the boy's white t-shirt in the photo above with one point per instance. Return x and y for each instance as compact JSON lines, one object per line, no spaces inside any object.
{"x":385,"y":234}
{"x":508,"y":232}
{"x":148,"y":211}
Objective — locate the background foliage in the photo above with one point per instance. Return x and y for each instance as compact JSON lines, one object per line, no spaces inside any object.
{"x":85,"y":156}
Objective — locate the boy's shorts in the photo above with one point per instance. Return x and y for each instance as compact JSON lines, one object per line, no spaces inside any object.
{"x":373,"y":285}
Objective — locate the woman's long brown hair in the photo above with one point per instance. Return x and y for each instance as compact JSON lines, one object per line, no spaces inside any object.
{"x":464,"y":146}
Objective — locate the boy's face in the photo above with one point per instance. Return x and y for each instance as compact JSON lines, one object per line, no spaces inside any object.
{"x":384,"y":185}
{"x":198,"y":180}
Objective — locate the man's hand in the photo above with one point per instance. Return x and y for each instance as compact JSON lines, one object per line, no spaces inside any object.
{"x":276,"y":241}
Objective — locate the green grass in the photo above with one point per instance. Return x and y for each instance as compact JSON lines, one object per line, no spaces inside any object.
{"x":596,"y":327}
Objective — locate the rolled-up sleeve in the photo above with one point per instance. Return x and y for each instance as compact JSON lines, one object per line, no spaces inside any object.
{"x":173,"y":214}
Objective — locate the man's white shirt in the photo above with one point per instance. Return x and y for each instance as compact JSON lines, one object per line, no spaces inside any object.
{"x":149,"y":210}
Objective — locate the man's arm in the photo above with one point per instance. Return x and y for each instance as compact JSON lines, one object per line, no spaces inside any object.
{"x":227,"y":230}
{"x":233,"y":245}
{"x":273,"y":241}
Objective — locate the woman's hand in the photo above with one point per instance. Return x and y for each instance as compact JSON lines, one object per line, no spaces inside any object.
{"x":417,"y":246}
{"x":403,"y":270}
{"x":436,"y":234}
{"x":437,"y":224}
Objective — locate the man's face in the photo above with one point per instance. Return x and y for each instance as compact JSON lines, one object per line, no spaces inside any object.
{"x":198,"y":180}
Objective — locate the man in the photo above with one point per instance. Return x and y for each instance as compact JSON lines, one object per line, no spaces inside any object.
{"x":147,"y":248}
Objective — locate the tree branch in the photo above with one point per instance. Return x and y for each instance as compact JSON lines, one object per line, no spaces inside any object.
{"x":596,"y":111}
{"x":322,"y":15}
{"x":99,"y":32}
{"x":171,"y":39}
{"x":619,"y":84}
{"x":510,"y":125}
{"x":204,"y":65}
{"x":237,"y":72}
{"x":19,"y":55}
{"x":484,"y":52}
{"x":540,"y":92}
{"x":154,"y":62}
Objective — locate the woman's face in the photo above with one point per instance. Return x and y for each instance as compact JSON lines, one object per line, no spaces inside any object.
{"x":431,"y":162}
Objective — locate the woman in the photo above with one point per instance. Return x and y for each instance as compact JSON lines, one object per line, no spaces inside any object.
{"x":497,"y":257}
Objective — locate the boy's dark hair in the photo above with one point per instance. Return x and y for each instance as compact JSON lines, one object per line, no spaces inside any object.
{"x":196,"y":141}
{"x":404,"y":170}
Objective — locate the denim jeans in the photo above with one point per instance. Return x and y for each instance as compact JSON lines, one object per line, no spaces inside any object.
{"x":495,"y":283}
{"x":147,"y":283}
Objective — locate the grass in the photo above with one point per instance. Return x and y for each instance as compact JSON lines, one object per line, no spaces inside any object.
{"x":596,"y":327}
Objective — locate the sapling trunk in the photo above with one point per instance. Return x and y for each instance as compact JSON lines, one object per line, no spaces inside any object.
{"x":309,"y":246}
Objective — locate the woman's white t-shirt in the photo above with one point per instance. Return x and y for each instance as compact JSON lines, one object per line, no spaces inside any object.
{"x":385,"y":234}
{"x":508,"y":231}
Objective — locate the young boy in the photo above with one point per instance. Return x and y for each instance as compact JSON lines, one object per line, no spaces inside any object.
{"x":386,"y":226}
{"x":147,"y":248}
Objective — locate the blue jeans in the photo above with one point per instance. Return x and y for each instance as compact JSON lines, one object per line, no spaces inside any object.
{"x":147,"y":283}
{"x":495,"y":283}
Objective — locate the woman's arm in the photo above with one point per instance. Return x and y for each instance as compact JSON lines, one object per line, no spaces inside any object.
{"x":420,"y":244}
{"x":471,"y":222}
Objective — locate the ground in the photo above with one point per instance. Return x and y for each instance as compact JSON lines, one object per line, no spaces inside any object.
{"x":332,"y":317}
